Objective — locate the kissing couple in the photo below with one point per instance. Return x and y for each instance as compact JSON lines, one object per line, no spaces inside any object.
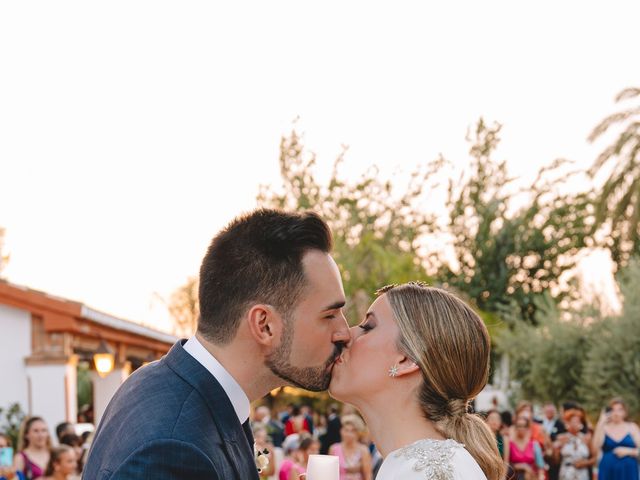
{"x":271,"y":314}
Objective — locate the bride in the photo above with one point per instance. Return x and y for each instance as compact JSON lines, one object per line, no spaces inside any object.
{"x":414,"y":364}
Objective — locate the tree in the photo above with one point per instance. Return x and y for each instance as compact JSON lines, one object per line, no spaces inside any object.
{"x":618,"y":204}
{"x":377,"y":230}
{"x":13,"y":417}
{"x":502,"y":254}
{"x":547,"y":359}
{"x":183,"y":307}
{"x":612,"y":366}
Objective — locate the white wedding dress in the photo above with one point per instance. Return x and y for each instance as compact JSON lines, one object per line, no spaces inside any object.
{"x":431,"y":460}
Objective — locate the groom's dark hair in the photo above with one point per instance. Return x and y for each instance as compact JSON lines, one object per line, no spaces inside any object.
{"x":257,"y":258}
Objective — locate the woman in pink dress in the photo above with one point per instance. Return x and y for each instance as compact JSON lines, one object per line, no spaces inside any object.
{"x":525,"y":453}
{"x":354,"y":457}
{"x":34,"y":446}
{"x":296,"y":464}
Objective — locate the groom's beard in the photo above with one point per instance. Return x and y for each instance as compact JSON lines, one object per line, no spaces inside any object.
{"x":315,"y":379}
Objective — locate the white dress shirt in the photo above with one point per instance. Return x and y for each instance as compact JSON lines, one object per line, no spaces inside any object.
{"x":234,"y":391}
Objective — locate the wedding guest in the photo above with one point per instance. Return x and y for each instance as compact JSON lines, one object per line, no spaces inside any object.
{"x":525,"y":453}
{"x":551,"y":423}
{"x":34,"y":444}
{"x":300,"y":448}
{"x":333,"y":430}
{"x":275,"y":429}
{"x":494,"y":420}
{"x":7,"y":472}
{"x":62,"y":464}
{"x":297,"y":422}
{"x":307,"y":412}
{"x":525,"y":410}
{"x":64,"y":428}
{"x":618,"y":441}
{"x":75,"y":442}
{"x":571,"y":449}
{"x":262,"y":444}
{"x":354,"y":457}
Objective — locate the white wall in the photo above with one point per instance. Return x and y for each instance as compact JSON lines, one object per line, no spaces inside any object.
{"x":71,"y":384}
{"x":15,"y":346}
{"x":48,"y":393}
{"x":105,"y":388}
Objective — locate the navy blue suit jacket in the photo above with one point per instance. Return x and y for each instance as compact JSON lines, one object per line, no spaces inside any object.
{"x":171,"y":420}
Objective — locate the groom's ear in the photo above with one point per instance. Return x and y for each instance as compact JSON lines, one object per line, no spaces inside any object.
{"x":264,"y":324}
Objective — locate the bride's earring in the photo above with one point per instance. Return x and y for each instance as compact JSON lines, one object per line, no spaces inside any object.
{"x":393,"y":371}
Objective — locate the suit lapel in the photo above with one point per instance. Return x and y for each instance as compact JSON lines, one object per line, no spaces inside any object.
{"x":236,"y":439}
{"x":246,"y":426}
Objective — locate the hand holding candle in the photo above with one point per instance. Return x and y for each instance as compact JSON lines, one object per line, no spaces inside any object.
{"x":323,"y":467}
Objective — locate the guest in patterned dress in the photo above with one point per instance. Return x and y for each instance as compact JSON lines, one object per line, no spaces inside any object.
{"x":354,"y":457}
{"x":571,"y":449}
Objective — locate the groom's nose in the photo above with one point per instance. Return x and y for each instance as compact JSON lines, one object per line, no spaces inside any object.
{"x":342,"y":335}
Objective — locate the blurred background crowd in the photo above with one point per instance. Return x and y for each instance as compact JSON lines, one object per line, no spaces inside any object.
{"x":540,"y":442}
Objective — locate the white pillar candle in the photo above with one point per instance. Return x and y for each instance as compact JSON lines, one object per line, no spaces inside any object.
{"x":323,"y":467}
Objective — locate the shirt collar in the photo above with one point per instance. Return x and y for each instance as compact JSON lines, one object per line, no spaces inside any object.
{"x":234,"y":391}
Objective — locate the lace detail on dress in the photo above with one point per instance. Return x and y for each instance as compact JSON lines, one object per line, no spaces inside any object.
{"x":433,"y":456}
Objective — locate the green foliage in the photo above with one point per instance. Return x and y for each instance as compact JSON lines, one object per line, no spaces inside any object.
{"x":85,"y":387}
{"x":618,"y":204}
{"x":11,"y":418}
{"x":612,"y":367}
{"x":547,"y":359}
{"x":502,"y":256}
{"x":376,"y":229}
{"x":577,"y":355}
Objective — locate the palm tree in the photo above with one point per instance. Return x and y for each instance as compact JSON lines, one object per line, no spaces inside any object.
{"x":618,"y":204}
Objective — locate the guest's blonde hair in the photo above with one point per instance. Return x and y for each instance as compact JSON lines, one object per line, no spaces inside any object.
{"x":355,"y":421}
{"x":619,"y":401}
{"x":451,"y":345}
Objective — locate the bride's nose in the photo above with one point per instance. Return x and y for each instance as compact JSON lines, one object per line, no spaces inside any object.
{"x":355,"y":332}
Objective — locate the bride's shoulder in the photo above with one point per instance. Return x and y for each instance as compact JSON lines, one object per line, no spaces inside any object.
{"x":431,"y":460}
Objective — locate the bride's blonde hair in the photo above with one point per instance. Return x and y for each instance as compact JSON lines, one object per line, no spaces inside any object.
{"x":451,"y":345}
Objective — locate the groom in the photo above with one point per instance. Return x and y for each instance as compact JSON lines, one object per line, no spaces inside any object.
{"x":271,"y":303}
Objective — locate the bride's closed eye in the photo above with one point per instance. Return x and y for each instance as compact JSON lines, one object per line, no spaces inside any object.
{"x":366,"y":326}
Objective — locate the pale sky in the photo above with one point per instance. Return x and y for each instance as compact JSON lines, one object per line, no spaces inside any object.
{"x":131,"y":131}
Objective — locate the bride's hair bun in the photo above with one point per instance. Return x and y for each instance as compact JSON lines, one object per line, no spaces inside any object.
{"x":457,"y":407}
